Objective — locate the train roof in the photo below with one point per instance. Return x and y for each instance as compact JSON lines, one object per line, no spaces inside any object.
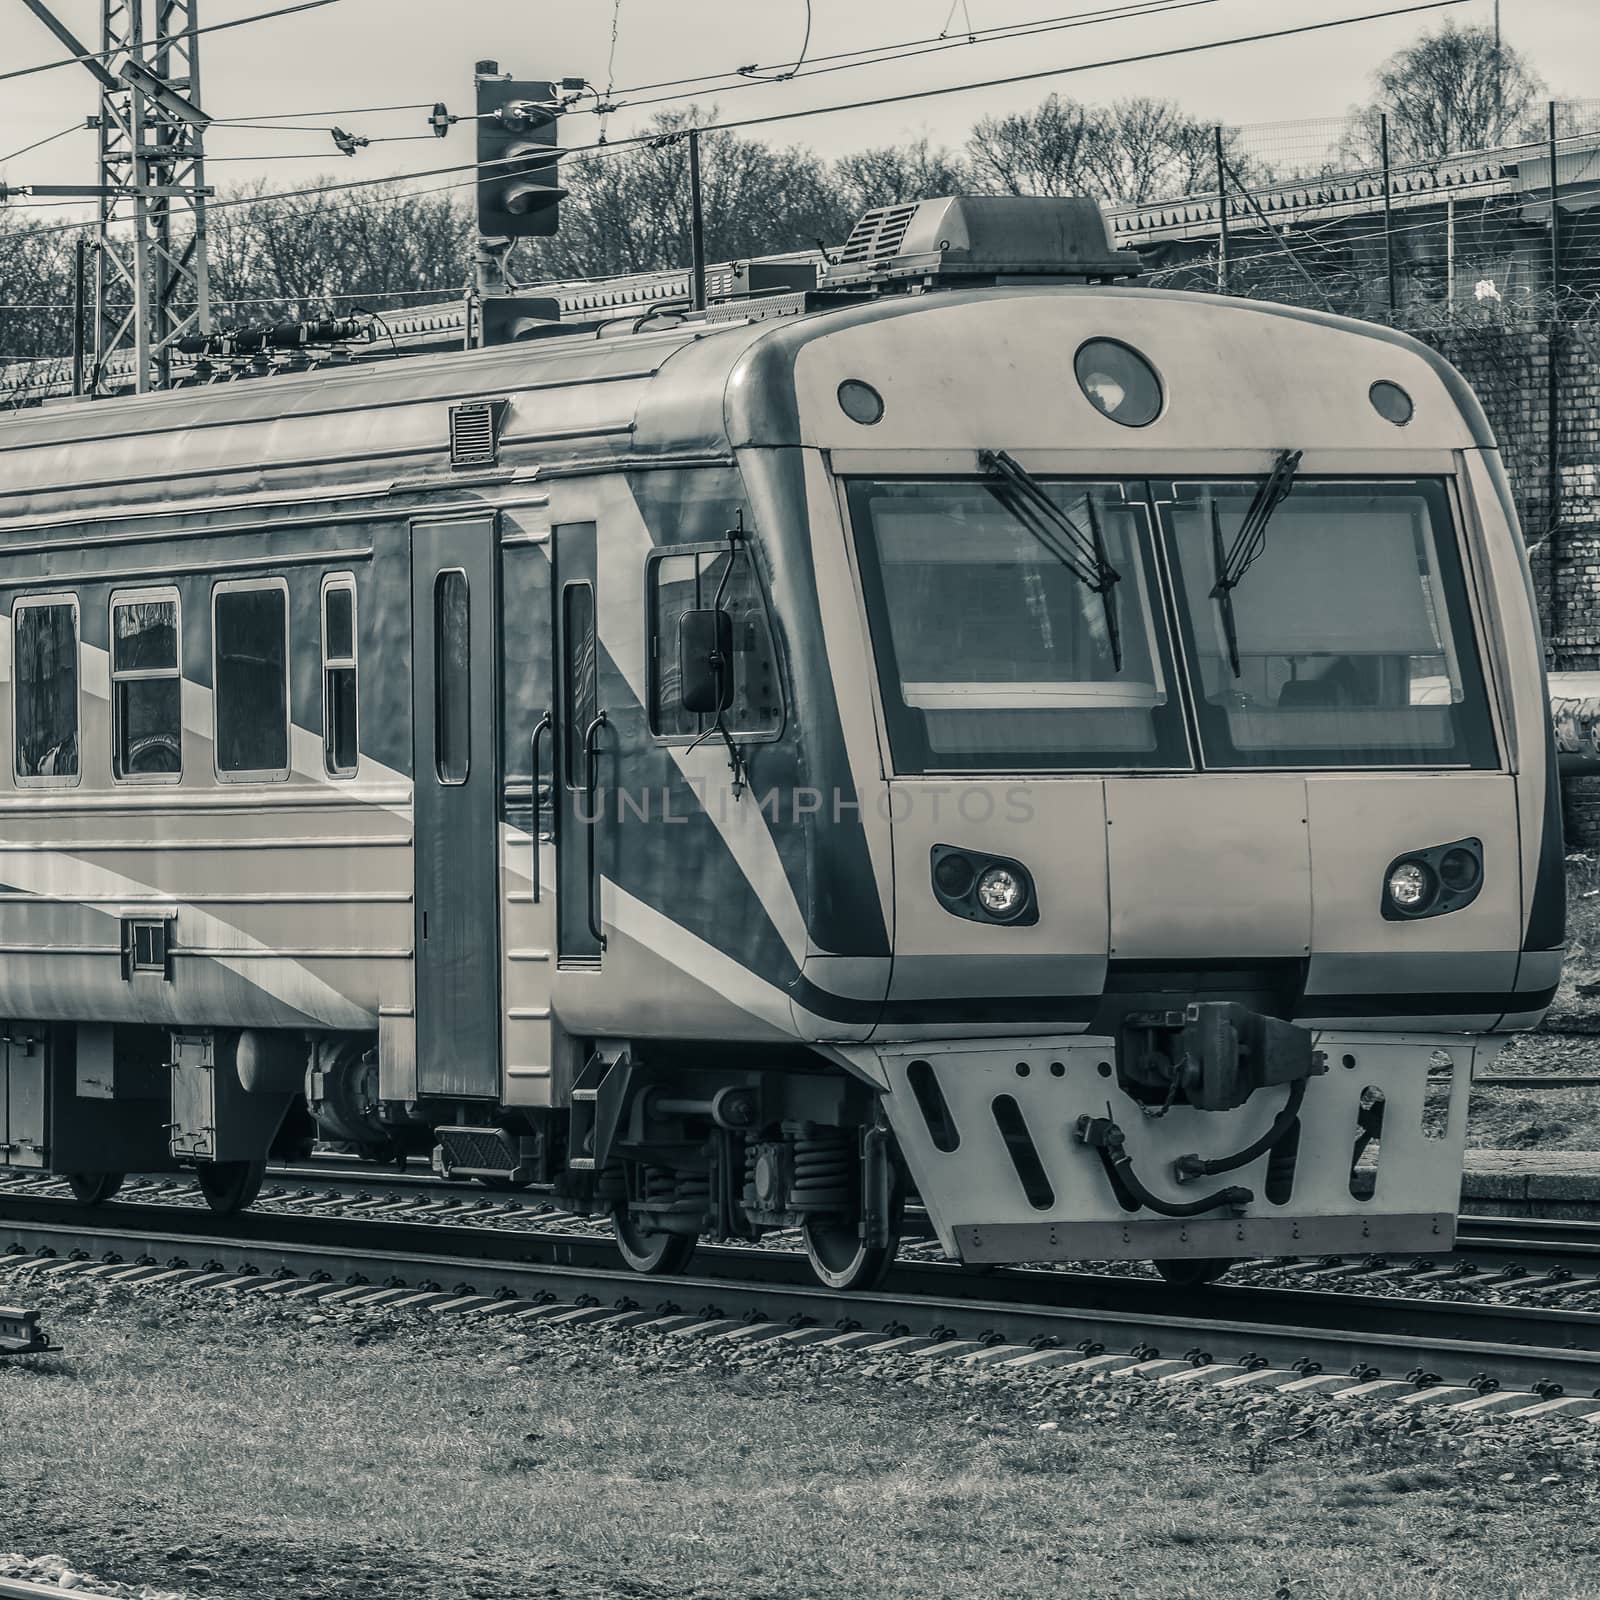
{"x":643,"y":389}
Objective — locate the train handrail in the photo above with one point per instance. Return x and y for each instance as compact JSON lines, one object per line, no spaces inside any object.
{"x":540,"y":729}
{"x":591,"y":756}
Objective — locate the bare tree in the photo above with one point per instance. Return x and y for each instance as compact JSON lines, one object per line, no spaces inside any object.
{"x":629,"y":211}
{"x":894,"y":173}
{"x":1145,"y":149}
{"x":1452,"y":90}
{"x":35,"y":290}
{"x":1043,"y":151}
{"x":275,"y":258}
{"x":1131,"y":151}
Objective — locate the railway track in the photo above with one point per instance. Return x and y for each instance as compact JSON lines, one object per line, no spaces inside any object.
{"x":1542,"y":1257}
{"x":1310,"y":1328}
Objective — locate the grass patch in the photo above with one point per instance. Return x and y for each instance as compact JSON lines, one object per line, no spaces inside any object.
{"x":235,"y":1449}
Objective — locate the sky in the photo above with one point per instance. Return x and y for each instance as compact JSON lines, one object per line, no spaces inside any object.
{"x":359,"y":53}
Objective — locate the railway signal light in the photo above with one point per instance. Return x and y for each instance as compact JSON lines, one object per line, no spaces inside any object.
{"x":518,"y":197}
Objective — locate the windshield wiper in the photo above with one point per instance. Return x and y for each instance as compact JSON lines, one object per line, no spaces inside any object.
{"x":1248,"y":544}
{"x":1082,"y":553}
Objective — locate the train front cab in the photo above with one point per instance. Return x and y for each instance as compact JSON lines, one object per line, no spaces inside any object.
{"x":1209,"y":885}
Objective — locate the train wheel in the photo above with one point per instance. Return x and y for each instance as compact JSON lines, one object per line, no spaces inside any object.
{"x":230,"y":1186}
{"x":649,"y":1252}
{"x":838,"y":1257}
{"x":1192,"y":1272}
{"x":93,"y":1188}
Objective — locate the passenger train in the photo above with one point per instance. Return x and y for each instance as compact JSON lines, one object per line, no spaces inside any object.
{"x":954,"y":741}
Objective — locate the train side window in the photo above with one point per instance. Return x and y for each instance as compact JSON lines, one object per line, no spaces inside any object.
{"x":340,"y":747}
{"x":45,"y":691}
{"x":250,"y":679}
{"x":146,"y":686}
{"x":452,"y":665}
{"x":685,"y":580}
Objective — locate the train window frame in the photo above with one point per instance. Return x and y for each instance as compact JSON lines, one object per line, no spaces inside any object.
{"x":652,"y":637}
{"x":905,"y":745}
{"x":219,"y":590}
{"x":450,"y":778}
{"x":341,"y":582}
{"x":1465,"y":648}
{"x":38,"y":602}
{"x":154,"y":594}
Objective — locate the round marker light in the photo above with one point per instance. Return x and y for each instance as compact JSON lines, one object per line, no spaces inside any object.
{"x":1459,"y":870}
{"x":1118,"y":382}
{"x":954,"y":875}
{"x":860,"y":402}
{"x":1410,"y":886}
{"x":1391,"y":402}
{"x":1001,"y":892}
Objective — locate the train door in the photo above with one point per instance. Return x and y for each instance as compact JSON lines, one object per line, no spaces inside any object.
{"x":455,"y":656}
{"x":579,"y":738}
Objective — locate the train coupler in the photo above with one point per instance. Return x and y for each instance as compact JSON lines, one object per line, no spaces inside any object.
{"x":1214,"y":1053}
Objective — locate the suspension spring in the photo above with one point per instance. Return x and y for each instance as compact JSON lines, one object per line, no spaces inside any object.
{"x":824,"y":1167}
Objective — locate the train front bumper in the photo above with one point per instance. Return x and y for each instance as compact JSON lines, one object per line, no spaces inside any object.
{"x":997,"y":1157}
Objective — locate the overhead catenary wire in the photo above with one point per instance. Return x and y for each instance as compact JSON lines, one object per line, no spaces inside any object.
{"x":785,"y":74}
{"x":893,"y":49}
{"x":187,"y":33}
{"x":1140,"y":10}
{"x":39,"y":144}
{"x":773,"y":118}
{"x":272,"y":118}
{"x":611,"y":60}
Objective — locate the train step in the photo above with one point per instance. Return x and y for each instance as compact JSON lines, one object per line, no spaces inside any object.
{"x":485,"y":1153}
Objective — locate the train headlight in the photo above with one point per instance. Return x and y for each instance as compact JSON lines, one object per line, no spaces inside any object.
{"x":1411,"y":886}
{"x":1432,"y":882}
{"x":983,"y":888}
{"x":1002,"y":893}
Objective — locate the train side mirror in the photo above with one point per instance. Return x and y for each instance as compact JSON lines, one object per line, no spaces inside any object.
{"x":705,"y":660}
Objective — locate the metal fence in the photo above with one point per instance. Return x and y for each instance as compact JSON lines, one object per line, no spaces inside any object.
{"x":1331,"y":213}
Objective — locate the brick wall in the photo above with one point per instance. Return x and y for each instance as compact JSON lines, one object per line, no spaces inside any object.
{"x":1510,"y":368}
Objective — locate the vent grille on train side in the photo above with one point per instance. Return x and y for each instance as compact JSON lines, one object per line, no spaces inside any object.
{"x":877,"y":234}
{"x":475,"y":433}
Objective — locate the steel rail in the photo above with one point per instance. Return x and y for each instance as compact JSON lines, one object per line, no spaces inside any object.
{"x":18,"y":1589}
{"x":1532,"y":1241}
{"x":1516,"y":1345}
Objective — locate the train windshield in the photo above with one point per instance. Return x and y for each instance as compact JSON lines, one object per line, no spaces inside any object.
{"x":1352,"y":641}
{"x":993,"y":651}
{"x":1346,"y":642}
